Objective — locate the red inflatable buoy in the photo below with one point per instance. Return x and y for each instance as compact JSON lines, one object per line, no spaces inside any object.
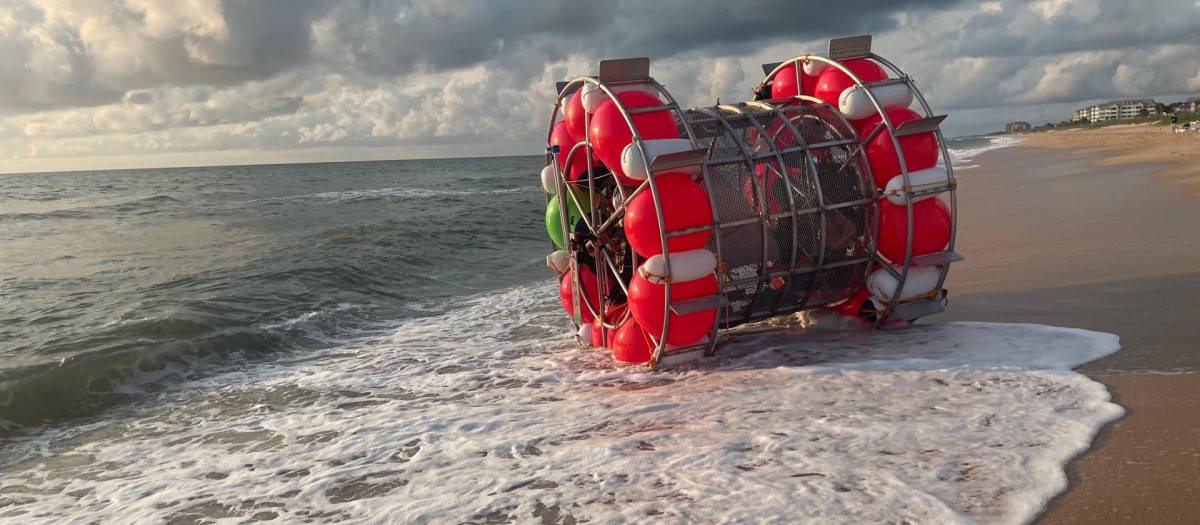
{"x":920,"y":150}
{"x":783,"y":84}
{"x":833,"y":81}
{"x":591,"y":289}
{"x":575,"y":117}
{"x":931,"y":228}
{"x":610,"y":132}
{"x":646,"y":301}
{"x":562,"y":138}
{"x":596,"y":334}
{"x":684,"y":205}
{"x":632,"y":344}
{"x":854,"y":304}
{"x":612,"y":315}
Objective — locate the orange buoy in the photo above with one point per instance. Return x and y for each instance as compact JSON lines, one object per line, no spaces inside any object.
{"x":854,"y":304}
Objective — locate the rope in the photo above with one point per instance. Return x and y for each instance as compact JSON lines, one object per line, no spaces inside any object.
{"x":887,"y":311}
{"x":724,"y":273}
{"x":900,"y":191}
{"x":647,"y":274}
{"x":649,"y":344}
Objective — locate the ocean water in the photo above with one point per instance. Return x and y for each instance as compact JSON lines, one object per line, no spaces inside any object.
{"x":964,"y":149}
{"x":121,"y":282}
{"x":380,"y":342}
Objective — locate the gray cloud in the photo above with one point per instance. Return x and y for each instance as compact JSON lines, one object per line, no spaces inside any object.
{"x":130,"y":77}
{"x":84,"y":52}
{"x":1013,"y":53}
{"x":81,"y":52}
{"x":1081,"y":26}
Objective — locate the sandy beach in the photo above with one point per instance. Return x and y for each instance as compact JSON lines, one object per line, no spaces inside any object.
{"x":1132,"y":145}
{"x":1089,"y":229}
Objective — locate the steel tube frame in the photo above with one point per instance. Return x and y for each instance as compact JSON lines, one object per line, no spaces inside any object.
{"x":627,"y":114}
{"x":886,"y":124}
{"x":610,"y":268}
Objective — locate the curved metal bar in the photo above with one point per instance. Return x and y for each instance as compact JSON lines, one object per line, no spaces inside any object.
{"x":728,"y":126}
{"x":594,"y":213}
{"x":861,"y":152}
{"x":951,"y":180}
{"x":886,"y":120}
{"x":562,"y":210}
{"x":891,"y":129}
{"x":637,"y":139}
{"x":601,"y":256}
{"x":819,"y":235}
{"x":760,"y":194}
{"x":787,"y":180}
{"x":574,"y":198}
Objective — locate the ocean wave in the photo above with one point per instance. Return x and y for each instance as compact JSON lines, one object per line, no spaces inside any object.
{"x":336,"y":324}
{"x":86,"y":384}
{"x":134,"y":357}
{"x":397,"y":193}
{"x":962,"y":155}
{"x":487,"y":413}
{"x":83,"y":209}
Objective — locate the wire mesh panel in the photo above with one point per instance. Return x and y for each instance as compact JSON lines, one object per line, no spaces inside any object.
{"x":795,"y":206}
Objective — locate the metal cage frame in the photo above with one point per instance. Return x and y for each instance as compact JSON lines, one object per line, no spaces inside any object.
{"x":859,"y":47}
{"x":616,"y":73}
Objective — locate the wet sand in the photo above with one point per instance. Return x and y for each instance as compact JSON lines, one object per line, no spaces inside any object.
{"x":1059,"y":233}
{"x":1131,"y":145}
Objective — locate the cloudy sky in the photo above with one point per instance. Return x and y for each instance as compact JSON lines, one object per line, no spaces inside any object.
{"x":143,"y":83}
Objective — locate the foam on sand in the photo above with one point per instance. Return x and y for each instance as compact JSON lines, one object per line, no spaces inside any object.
{"x":486,"y":414}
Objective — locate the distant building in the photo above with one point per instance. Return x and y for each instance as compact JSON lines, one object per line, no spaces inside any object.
{"x":1117,"y":110}
{"x":1188,"y":106}
{"x":1016,"y":127}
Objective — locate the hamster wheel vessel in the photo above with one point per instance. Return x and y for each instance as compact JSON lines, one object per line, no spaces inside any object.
{"x":672,"y":223}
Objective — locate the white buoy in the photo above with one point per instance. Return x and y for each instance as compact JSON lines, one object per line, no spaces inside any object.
{"x":685,"y":266}
{"x":549,"y":181}
{"x":814,"y":68}
{"x":585,"y":334}
{"x":927,"y":178}
{"x":855,"y":104}
{"x":593,"y":96}
{"x":634,"y":167}
{"x":558,"y":261}
{"x":919,"y":281}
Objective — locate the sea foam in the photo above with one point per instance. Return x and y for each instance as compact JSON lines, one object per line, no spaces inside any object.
{"x":487,"y":413}
{"x":963,"y":150}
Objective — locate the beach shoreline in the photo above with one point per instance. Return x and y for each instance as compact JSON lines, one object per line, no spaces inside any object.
{"x":1131,"y":145}
{"x":1088,"y":229}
